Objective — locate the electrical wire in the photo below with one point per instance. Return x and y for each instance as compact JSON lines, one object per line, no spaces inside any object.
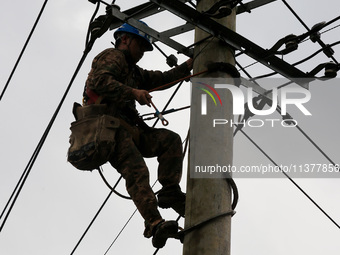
{"x":156,"y":181}
{"x":123,"y":228}
{"x":95,"y":217}
{"x":328,"y":30}
{"x":290,"y":179}
{"x":295,"y":14}
{"x":262,"y":152}
{"x":298,"y":127}
{"x":294,"y":64}
{"x":309,"y":139}
{"x":316,"y":146}
{"x":314,"y":54}
{"x":23,"y":49}
{"x":301,"y":61}
{"x":321,"y":43}
{"x":14,"y":196}
{"x":36,"y":152}
{"x":87,"y":40}
{"x":332,"y":21}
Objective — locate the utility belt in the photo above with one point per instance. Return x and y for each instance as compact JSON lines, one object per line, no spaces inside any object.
{"x":128,"y":118}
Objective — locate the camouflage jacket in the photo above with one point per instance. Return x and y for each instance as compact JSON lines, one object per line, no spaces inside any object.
{"x":113,"y":76}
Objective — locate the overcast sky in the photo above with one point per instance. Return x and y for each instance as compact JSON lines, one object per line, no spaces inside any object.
{"x":58,"y":202}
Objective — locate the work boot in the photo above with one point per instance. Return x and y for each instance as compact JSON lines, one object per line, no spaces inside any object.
{"x":163,"y":231}
{"x":173,"y":197}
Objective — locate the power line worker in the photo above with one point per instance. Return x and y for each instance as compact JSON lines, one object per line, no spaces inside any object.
{"x":116,"y":77}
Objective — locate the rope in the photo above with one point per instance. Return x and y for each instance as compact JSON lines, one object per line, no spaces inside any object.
{"x":179,"y":80}
{"x":100,"y":171}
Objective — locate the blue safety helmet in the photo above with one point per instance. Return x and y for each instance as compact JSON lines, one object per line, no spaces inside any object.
{"x":126,"y":28}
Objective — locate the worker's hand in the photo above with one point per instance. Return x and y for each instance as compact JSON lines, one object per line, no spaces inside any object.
{"x":142,"y":96}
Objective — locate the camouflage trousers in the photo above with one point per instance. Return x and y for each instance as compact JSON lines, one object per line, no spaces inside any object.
{"x":129,"y":162}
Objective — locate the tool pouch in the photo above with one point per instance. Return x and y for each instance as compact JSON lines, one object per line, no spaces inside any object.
{"x":92,"y":139}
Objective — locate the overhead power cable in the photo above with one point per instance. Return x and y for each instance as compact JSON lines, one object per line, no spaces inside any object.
{"x":265,"y":154}
{"x":23,"y":49}
{"x":95,"y":217}
{"x":294,"y":64}
{"x":14,"y":196}
{"x":321,"y":43}
{"x":309,"y":139}
{"x":301,"y":61}
{"x":36,"y":152}
{"x":289,"y":178}
{"x":278,"y":109}
{"x":314,"y":54}
{"x":128,"y":221}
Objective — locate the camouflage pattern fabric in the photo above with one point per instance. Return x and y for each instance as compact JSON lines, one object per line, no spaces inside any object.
{"x":113,"y":76}
{"x":129,"y":161}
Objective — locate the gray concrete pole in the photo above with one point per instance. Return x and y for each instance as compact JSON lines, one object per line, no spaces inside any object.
{"x":208,"y":197}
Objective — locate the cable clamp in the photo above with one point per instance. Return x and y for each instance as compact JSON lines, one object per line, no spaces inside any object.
{"x":330,"y":70}
{"x":222,"y":8}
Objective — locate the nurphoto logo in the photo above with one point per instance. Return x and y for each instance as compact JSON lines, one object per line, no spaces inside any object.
{"x":294,"y":96}
{"x":239,"y":101}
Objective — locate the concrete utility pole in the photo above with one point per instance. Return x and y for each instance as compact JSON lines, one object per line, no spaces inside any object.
{"x":209,"y":197}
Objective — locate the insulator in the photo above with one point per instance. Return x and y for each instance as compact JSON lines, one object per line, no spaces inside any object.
{"x":292,"y":43}
{"x":331,"y":70}
{"x":314,"y":37}
{"x":171,"y":60}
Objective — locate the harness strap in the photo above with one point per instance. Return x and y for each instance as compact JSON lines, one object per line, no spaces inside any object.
{"x":92,"y":97}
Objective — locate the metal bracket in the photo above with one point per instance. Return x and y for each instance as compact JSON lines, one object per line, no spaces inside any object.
{"x":124,"y":18}
{"x":235,"y":40}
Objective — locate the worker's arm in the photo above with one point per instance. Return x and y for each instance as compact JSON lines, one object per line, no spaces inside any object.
{"x":154,"y":79}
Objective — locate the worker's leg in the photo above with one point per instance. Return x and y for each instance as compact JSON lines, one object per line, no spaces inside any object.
{"x":167,"y":146}
{"x":130,"y":164}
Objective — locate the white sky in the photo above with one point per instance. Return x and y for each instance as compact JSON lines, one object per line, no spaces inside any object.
{"x":58,"y":202}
